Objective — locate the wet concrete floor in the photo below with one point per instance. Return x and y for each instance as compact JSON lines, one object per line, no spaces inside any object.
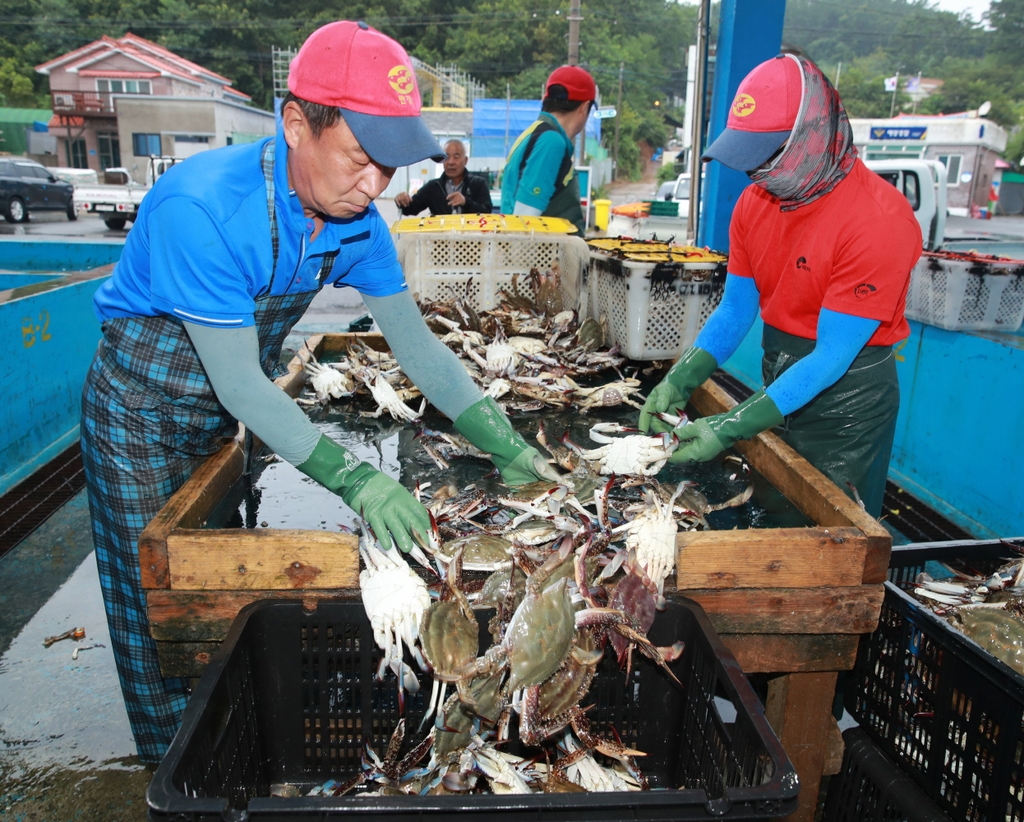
{"x":66,"y":750}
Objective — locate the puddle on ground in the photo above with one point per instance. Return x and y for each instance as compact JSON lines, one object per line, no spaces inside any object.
{"x":66,"y":748}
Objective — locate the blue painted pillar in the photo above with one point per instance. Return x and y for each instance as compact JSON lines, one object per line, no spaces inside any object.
{"x":749,"y":33}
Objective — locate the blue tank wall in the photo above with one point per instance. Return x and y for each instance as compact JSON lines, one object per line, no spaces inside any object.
{"x":39,"y":254}
{"x":49,"y":334}
{"x":959,"y":437}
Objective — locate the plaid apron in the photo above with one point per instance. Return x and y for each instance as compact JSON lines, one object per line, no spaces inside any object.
{"x":149,"y":419}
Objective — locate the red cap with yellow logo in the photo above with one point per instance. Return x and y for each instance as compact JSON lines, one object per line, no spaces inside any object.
{"x":762,"y":115}
{"x":369,"y":77}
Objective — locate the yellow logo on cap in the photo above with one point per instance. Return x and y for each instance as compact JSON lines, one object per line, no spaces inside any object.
{"x":401,"y":80}
{"x":743,"y":105}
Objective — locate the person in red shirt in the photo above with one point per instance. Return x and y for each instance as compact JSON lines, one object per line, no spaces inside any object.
{"x":823,"y":248}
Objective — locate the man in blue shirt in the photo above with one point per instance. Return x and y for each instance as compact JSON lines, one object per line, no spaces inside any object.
{"x":227,"y":252}
{"x":540,"y":177}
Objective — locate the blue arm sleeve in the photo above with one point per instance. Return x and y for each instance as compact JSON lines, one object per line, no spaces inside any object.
{"x":840,"y":339}
{"x":231,"y":359}
{"x":730,"y":322}
{"x":428,"y":362}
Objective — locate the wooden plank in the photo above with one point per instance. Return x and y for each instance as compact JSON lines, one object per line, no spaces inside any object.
{"x":206,"y":616}
{"x":188,"y":508}
{"x":799,"y":709}
{"x":770,"y":558}
{"x":187,"y":659}
{"x":852,"y":610}
{"x":804,"y":485}
{"x":777,"y":653}
{"x":273,"y":559}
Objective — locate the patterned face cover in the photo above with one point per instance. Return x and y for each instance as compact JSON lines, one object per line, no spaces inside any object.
{"x":820,"y":150}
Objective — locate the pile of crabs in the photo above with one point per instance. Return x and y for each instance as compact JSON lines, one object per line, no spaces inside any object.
{"x":987,"y":607}
{"x":560,"y":574}
{"x":572,"y":571}
{"x":528,"y":353}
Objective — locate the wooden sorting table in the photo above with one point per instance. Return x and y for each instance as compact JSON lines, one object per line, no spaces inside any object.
{"x":786,"y":601}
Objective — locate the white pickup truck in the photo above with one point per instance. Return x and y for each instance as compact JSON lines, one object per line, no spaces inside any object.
{"x":923,"y":183}
{"x":117,"y":200}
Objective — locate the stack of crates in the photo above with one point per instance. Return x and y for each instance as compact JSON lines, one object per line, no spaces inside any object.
{"x":477,"y":256}
{"x":654,"y":296}
{"x":947,"y":712}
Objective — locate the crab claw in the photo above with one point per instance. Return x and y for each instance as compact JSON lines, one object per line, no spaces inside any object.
{"x":675,"y":420}
{"x":597,"y":431}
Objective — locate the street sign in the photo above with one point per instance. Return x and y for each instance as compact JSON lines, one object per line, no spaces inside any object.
{"x":605,"y":113}
{"x":898,"y":132}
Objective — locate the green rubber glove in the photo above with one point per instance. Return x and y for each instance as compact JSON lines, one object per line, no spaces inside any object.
{"x":673,"y":392}
{"x":708,"y":437}
{"x":381,"y":501}
{"x":485,"y":425}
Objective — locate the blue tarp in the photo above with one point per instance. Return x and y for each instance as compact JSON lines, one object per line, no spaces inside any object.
{"x":497,"y":123}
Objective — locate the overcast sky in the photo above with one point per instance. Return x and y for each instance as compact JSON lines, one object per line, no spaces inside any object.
{"x":974,"y":7}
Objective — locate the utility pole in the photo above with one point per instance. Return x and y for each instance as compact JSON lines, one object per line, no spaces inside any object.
{"x":618,"y":121}
{"x":895,"y":91}
{"x":697,"y":141}
{"x":574,"y":32}
{"x":574,"y":60}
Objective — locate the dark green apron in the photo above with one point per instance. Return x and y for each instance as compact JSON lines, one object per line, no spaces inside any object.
{"x":846,"y":432}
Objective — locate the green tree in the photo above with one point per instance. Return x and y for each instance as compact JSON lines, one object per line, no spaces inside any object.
{"x":16,"y":87}
{"x":1007,"y":19}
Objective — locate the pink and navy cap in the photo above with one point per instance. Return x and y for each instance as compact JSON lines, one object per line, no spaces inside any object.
{"x":762,"y":115}
{"x":369,"y":77}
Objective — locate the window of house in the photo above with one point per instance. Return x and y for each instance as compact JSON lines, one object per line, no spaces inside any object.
{"x":124,"y":86}
{"x":144,"y":145}
{"x":952,"y":163}
{"x":110,"y":149}
{"x":77,"y":154}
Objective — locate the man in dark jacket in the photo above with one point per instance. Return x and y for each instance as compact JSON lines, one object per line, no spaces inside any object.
{"x":454,"y":192}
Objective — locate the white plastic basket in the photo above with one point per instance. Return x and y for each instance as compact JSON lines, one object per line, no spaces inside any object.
{"x":476,"y":265}
{"x":967,"y":294}
{"x":653,"y":310}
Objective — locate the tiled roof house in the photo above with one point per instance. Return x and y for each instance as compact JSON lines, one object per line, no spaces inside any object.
{"x":92,"y":86}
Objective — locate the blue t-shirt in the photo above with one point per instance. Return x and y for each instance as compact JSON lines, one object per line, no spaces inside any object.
{"x":535,"y":184}
{"x":201,"y":251}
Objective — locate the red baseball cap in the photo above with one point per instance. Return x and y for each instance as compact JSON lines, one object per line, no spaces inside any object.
{"x":369,"y":77}
{"x":762,"y":115}
{"x":575,"y":80}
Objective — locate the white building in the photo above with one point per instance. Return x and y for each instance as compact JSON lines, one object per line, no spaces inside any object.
{"x":966,"y":144}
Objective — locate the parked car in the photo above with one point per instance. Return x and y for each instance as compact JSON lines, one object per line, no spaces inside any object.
{"x":677,"y":190}
{"x":26,"y":186}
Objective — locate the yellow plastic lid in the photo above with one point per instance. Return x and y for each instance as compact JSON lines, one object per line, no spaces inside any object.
{"x":494,"y":223}
{"x":655,"y":252}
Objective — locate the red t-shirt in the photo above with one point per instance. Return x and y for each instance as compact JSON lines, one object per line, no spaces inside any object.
{"x":850,"y":251}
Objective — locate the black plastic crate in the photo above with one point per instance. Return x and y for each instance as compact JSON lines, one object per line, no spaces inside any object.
{"x":870,"y":788}
{"x":945,"y":710}
{"x":291,"y":696}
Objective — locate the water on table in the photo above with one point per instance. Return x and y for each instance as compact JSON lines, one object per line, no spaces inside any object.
{"x":277,"y":495}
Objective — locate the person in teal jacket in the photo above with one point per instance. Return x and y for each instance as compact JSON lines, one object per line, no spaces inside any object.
{"x":540,"y":175}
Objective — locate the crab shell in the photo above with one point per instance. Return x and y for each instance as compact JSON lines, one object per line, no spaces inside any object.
{"x":652,"y":535}
{"x":635,"y":454}
{"x":449,"y":637}
{"x":539,"y":635}
{"x":387,"y":400}
{"x":395,"y":599}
